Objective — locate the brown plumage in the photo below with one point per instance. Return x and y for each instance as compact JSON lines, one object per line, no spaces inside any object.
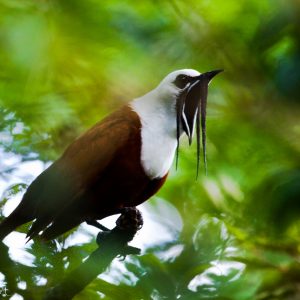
{"x":98,"y":174}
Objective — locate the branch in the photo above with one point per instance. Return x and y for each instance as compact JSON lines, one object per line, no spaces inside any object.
{"x":112,"y":244}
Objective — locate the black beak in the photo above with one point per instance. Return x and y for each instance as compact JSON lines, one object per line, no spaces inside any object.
{"x":191,"y":110}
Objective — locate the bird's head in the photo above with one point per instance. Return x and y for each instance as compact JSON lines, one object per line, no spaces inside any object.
{"x":189,"y":89}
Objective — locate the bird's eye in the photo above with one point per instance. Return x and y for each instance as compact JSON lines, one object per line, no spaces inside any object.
{"x":181,"y":81}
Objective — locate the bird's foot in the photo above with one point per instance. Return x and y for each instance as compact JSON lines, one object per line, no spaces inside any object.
{"x":130,"y":219}
{"x":127,"y":225}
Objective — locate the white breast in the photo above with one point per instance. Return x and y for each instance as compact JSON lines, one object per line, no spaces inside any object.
{"x":158,"y":151}
{"x":158,"y":134}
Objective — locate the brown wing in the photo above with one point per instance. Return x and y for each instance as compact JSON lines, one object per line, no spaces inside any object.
{"x":88,"y":156}
{"x":80,"y":166}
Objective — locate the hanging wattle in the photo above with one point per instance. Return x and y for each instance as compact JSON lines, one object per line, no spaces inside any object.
{"x":179,"y":111}
{"x":190,"y":109}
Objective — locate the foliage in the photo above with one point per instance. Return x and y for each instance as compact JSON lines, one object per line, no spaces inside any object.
{"x":65,"y":64}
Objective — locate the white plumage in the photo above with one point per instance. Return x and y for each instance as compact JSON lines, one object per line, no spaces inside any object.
{"x":157,"y":113}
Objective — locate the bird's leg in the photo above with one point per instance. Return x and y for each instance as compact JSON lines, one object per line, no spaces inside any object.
{"x":96,"y":224}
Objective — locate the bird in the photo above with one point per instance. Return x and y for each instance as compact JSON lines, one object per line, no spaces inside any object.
{"x":120,"y":162}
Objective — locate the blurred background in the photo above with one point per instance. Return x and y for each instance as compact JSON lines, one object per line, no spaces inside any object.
{"x":233,"y":234}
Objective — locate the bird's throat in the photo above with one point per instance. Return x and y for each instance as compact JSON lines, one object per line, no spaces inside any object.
{"x":158,"y":136}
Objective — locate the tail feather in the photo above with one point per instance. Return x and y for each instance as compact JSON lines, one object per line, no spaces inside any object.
{"x":7,"y":226}
{"x":39,"y":225}
{"x":60,"y":226}
{"x":25,"y":211}
{"x":14,"y":220}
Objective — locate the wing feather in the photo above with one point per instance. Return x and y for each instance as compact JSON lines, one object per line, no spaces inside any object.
{"x":82,"y":163}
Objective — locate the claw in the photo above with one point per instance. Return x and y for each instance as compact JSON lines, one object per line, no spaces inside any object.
{"x":122,"y":257}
